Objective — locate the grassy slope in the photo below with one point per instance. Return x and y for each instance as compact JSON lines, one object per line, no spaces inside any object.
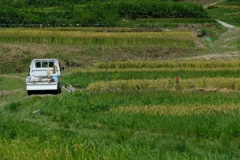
{"x":226,"y":11}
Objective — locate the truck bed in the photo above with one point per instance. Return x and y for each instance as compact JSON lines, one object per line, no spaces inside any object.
{"x":41,"y":84}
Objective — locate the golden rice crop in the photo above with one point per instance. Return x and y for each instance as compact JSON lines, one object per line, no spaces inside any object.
{"x":90,"y":34}
{"x":170,"y":64}
{"x":179,"y":110}
{"x":228,"y":7}
{"x":101,"y":39}
{"x":180,"y":69}
{"x":204,"y":84}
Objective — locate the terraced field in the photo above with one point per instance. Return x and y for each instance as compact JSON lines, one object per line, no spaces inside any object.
{"x":139,"y":112}
{"x":139,"y":93}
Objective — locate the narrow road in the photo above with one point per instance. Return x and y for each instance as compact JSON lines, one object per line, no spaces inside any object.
{"x":225,"y":24}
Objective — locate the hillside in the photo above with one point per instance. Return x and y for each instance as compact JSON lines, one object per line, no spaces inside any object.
{"x":148,"y":84}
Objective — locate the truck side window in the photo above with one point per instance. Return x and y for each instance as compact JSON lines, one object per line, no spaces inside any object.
{"x":38,"y":64}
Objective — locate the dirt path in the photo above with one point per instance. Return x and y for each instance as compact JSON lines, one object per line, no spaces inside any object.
{"x":212,"y":4}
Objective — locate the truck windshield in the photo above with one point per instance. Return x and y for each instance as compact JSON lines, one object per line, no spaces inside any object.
{"x":44,"y":64}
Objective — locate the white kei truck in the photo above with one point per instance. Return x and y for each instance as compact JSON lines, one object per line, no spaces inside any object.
{"x":44,"y":75}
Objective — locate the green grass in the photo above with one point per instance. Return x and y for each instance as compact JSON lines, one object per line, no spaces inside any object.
{"x":82,"y":124}
{"x":9,"y":82}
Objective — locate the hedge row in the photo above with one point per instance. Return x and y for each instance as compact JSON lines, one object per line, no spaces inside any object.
{"x":104,"y":14}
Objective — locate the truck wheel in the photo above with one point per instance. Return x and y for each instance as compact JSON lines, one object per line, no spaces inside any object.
{"x":58,"y":90}
{"x":29,"y":92}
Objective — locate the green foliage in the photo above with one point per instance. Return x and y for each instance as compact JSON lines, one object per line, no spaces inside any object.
{"x":98,"y":14}
{"x":160,"y":10}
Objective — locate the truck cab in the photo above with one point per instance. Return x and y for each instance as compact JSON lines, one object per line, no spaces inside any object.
{"x":44,"y":75}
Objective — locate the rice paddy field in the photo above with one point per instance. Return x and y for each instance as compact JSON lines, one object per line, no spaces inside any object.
{"x":126,"y":110}
{"x":83,"y":46}
{"x":138,"y":93}
{"x":98,"y":39}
